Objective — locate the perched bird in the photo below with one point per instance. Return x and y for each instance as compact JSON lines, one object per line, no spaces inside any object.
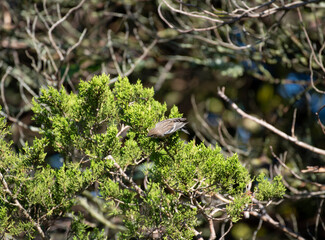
{"x":167,"y":127}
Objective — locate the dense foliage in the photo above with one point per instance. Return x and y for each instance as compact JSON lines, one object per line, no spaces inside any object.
{"x":181,"y":178}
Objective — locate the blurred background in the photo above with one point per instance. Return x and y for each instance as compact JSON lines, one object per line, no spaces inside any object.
{"x":267,"y":55}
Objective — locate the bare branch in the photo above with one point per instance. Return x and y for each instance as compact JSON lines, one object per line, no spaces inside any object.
{"x":293,"y":123}
{"x":163,"y":74}
{"x":221,"y":93}
{"x":70,"y":49}
{"x":144,"y":54}
{"x":222,"y":18}
{"x":312,"y":55}
{"x":19,"y":123}
{"x":319,"y":212}
{"x":257,"y":229}
{"x":193,"y":14}
{"x":223,"y":235}
{"x":266,"y":218}
{"x":111,"y":51}
{"x":212,"y":230}
{"x":3,"y":97}
{"x":126,"y":177}
{"x":292,"y":172}
{"x":57,"y":24}
{"x":314,"y":169}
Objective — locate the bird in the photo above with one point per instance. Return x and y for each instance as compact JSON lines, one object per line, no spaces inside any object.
{"x":166,"y":127}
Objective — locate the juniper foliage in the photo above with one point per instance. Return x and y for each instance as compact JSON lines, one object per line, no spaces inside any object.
{"x":156,"y":186}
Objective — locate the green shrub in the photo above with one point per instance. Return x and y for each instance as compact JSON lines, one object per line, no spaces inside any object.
{"x":156,"y":186}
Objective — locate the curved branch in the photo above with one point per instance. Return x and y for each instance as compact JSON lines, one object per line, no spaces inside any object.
{"x":266,"y":218}
{"x":57,"y":24}
{"x":221,"y":93}
{"x":224,"y":18}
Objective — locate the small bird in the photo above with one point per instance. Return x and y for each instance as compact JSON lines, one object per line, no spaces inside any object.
{"x":167,"y":127}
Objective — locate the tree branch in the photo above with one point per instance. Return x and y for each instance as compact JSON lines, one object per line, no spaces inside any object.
{"x":266,"y":218}
{"x":17,"y":204}
{"x":221,"y":93}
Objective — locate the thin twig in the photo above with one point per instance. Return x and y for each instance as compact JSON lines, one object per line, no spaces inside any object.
{"x":266,"y":218}
{"x":126,"y":177}
{"x":144,"y":54}
{"x":222,"y":237}
{"x":3,"y":97}
{"x":292,"y":172}
{"x":319,"y":212}
{"x":111,"y":51}
{"x":17,"y":204}
{"x":57,"y":24}
{"x":312,"y":55}
{"x":221,"y":93}
{"x":163,"y":74}
{"x":293,"y":123}
{"x":19,"y":123}
{"x":70,"y":49}
{"x":318,"y":119}
{"x":257,"y":229}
